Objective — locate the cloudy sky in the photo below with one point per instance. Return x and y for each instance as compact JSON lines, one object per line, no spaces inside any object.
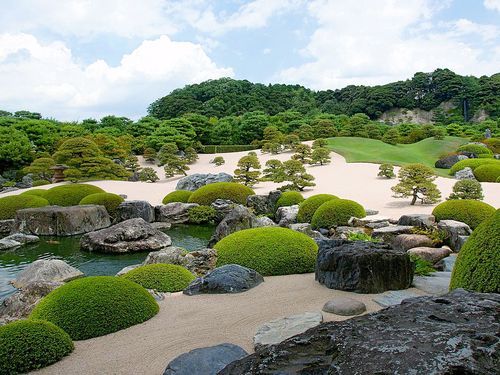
{"x":75,"y":59}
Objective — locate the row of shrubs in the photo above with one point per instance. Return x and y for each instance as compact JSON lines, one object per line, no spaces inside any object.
{"x":214,"y":149}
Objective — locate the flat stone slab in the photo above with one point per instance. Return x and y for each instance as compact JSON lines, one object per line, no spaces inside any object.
{"x":46,"y":270}
{"x":387,"y":234}
{"x":344,"y":306}
{"x":430,"y":254}
{"x":437,"y":284}
{"x":6,"y":244}
{"x":23,"y":238}
{"x":394,"y":297}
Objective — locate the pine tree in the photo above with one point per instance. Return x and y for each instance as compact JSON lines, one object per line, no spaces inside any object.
{"x":273,"y":171}
{"x":416,"y":181}
{"x":218,"y":161}
{"x":248,"y":171}
{"x":168,"y":156}
{"x":302,"y":153}
{"x":320,"y":142}
{"x":391,"y":136}
{"x":295,"y":173}
{"x":320,"y":155}
{"x":191,"y":155}
{"x":386,"y":170}
{"x":149,"y":154}
{"x":147,"y":174}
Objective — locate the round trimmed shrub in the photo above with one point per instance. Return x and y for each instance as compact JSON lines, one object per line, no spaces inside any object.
{"x":475,"y":149}
{"x":177,"y":196}
{"x":9,"y":205}
{"x":27,"y":345}
{"x":161,"y":277}
{"x":70,"y":195}
{"x":232,"y":191}
{"x":202,"y":214}
{"x":40,"y":183}
{"x":471,"y":163}
{"x":477,"y":263}
{"x":485,"y":156}
{"x":487,"y":173}
{"x":269,"y":251}
{"x":37,"y":192}
{"x":310,"y":205}
{"x":95,"y":306}
{"x":468,"y":211}
{"x":336,"y":212}
{"x":289,"y":198}
{"x":109,"y":200}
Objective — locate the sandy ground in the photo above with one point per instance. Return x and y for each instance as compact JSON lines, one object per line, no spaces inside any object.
{"x":188,"y":322}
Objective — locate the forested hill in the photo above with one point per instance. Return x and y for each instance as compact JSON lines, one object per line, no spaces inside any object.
{"x":426,"y":91}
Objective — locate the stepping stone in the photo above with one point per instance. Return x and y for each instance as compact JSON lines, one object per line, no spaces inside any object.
{"x":394,"y":297}
{"x":438,"y":283}
{"x":344,"y":306}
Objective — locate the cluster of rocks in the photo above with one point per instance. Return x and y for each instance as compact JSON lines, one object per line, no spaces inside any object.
{"x":25,"y":183}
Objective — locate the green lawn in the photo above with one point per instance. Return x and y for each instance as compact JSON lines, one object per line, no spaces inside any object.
{"x":358,"y":150}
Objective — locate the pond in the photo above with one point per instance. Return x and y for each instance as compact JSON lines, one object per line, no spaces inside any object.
{"x":190,"y":237}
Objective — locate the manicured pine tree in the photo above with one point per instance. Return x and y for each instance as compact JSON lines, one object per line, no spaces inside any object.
{"x":391,"y":137}
{"x":273,"y":171}
{"x":416,"y":181}
{"x":248,"y":171}
{"x":320,"y":155}
{"x":295,"y":173}
{"x":386,"y":170}
{"x":149,"y":154}
{"x":320,"y":142}
{"x":218,"y":161}
{"x":302,"y":153}
{"x":172,"y":163}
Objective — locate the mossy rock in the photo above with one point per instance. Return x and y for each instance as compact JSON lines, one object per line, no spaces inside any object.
{"x":109,"y":200}
{"x":232,"y":191}
{"x":202,"y":214}
{"x":28,"y":345}
{"x":11,"y":204}
{"x":336,"y":212}
{"x":471,"y":163}
{"x":269,"y":251}
{"x":70,"y":195}
{"x":95,"y":306}
{"x":289,"y":198}
{"x":37,"y":192}
{"x":177,"y":196}
{"x":487,"y":172}
{"x":161,"y":277}
{"x":468,"y":211}
{"x":308,"y":207}
{"x":477,"y":265}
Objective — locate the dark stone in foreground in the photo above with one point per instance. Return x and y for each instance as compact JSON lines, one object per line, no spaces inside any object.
{"x":454,"y":334}
{"x":362,"y":267}
{"x":205,"y":361}
{"x":135,"y":209}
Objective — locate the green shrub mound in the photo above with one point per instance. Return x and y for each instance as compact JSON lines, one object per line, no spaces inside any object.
{"x":471,"y":163}
{"x":70,"y":195}
{"x":336,"y":212}
{"x":28,"y":345}
{"x":177,"y":196}
{"x":485,"y":156}
{"x":161,"y":277}
{"x":202,"y":214}
{"x":40,"y":183}
{"x":95,"y":306}
{"x":9,"y":205}
{"x":232,"y":191}
{"x":477,"y":266}
{"x":487,"y":173}
{"x":37,"y":192}
{"x":310,"y":205}
{"x":109,"y":200}
{"x":269,"y":251}
{"x":475,"y":149}
{"x":468,"y":211}
{"x":289,"y":198}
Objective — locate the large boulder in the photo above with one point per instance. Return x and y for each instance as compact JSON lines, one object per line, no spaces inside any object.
{"x":418,"y":220}
{"x":449,"y":161}
{"x":46,"y":270}
{"x":169,"y":255}
{"x":362,"y":267}
{"x":129,"y":236}
{"x":6,"y":244}
{"x":61,"y":221}
{"x":230,"y":278}
{"x":465,"y":174}
{"x":409,"y":241}
{"x":222,"y":207}
{"x":307,"y":230}
{"x":456,"y":231}
{"x":453,"y":334}
{"x":287,"y":215}
{"x":174,"y":213}
{"x":238,"y":219}
{"x":198,"y":262}
{"x":259,"y":204}
{"x":263,"y":221}
{"x":197,"y":180}
{"x":22,"y":238}
{"x":437,"y":283}
{"x":6,"y":226}
{"x":135,"y":209}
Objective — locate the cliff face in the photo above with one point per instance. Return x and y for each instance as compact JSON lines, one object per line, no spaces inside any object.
{"x":419,"y":116}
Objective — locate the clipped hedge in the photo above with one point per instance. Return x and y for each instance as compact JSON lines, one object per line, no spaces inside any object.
{"x":70,"y":195}
{"x":161,"y":277}
{"x":475,"y":149}
{"x":336,"y":212}
{"x":269,"y":251}
{"x":487,"y":172}
{"x":95,"y":306}
{"x":27,"y":345}
{"x":214,"y":149}
{"x":477,"y":266}
{"x":37,"y":192}
{"x":109,"y":200}
{"x":468,"y":211}
{"x":232,"y":191}
{"x":202,"y":214}
{"x":177,"y":196}
{"x":40,"y":183}
{"x":471,"y":163}
{"x":289,"y":198}
{"x":9,"y":205}
{"x":308,"y":207}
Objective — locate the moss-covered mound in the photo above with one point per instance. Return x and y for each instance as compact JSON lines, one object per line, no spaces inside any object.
{"x":177,"y":196}
{"x":161,"y":277}
{"x":477,"y":266}
{"x":232,"y":191}
{"x":310,"y":205}
{"x":37,"y":192}
{"x":269,"y":251}
{"x":109,"y":200}
{"x":336,"y":212}
{"x":95,"y":306}
{"x":70,"y":195}
{"x":28,"y":345}
{"x":487,"y":172}
{"x":289,"y":198}
{"x":468,"y":211}
{"x":475,"y":149}
{"x":202,"y":214}
{"x":471,"y":163}
{"x":9,"y":205}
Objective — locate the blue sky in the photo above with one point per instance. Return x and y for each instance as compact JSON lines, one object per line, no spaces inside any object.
{"x":88,"y":58}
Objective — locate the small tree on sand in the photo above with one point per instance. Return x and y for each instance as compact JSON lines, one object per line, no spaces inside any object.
{"x":218,"y":161}
{"x":320,"y":155}
{"x":172,"y":162}
{"x":320,"y":142}
{"x":416,"y":181}
{"x":295,"y":173}
{"x":467,"y":189}
{"x":248,"y":171}
{"x":273,"y":171}
{"x":149,"y":154}
{"x":302,"y":153}
{"x":386,"y":170}
{"x":147,"y":174}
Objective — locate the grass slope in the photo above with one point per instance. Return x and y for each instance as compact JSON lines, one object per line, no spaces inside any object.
{"x":365,"y":150}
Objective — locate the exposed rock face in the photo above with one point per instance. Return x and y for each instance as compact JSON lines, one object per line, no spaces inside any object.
{"x":205,"y":361}
{"x":430,"y":254}
{"x":26,"y":182}
{"x":6,"y":226}
{"x":126,"y":237}
{"x":199,"y":261}
{"x":239,"y":218}
{"x":437,"y":283}
{"x":454,"y":334}
{"x":307,"y":230}
{"x":387,"y":234}
{"x":223,"y":207}
{"x":174,"y":213}
{"x":409,"y":241}
{"x":135,"y":209}
{"x":8,"y":244}
{"x":394,"y":297}
{"x":457,"y":233}
{"x":22,"y":238}
{"x":168,"y":255}
{"x":362,"y":267}
{"x":61,"y":221}
{"x":197,"y":180}
{"x":263,"y":221}
{"x":287,"y":215}
{"x":46,"y":270}
{"x":344,"y":306}
{"x":259,"y":204}
{"x":465,"y":174}
{"x":124,"y":270}
{"x":230,"y":278}
{"x":449,"y":161}
{"x":418,"y":220}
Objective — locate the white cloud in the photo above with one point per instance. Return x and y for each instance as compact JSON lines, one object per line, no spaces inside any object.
{"x":48,"y":78}
{"x":492,"y":4}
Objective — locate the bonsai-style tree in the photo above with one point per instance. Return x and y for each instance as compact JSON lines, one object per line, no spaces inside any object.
{"x":302,"y":153}
{"x":41,"y":168}
{"x":391,"y":137}
{"x":319,"y":143}
{"x":273,"y":171}
{"x":149,"y":154}
{"x":248,"y":171}
{"x":272,"y":147}
{"x":132,"y":164}
{"x":172,"y":163}
{"x":97,"y":168}
{"x":295,"y":173}
{"x":190,"y":155}
{"x":320,"y":155}
{"x":386,"y":170}
{"x":218,"y":161}
{"x":416,"y":181}
{"x":467,"y":189}
{"x":290,"y":141}
{"x":148,"y":174}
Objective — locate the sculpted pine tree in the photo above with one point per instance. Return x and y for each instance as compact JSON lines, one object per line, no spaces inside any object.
{"x":273,"y":171}
{"x":386,"y":170}
{"x":148,"y":174}
{"x":41,"y":168}
{"x":318,"y":143}
{"x":302,"y":153}
{"x":290,"y":141}
{"x":218,"y":161}
{"x":190,"y":155}
{"x":391,"y":137}
{"x":416,"y":181}
{"x":467,"y":189}
{"x":132,"y":164}
{"x":172,"y":163}
{"x":320,"y":155}
{"x":295,"y":173}
{"x":248,"y":171}
{"x":149,"y":154}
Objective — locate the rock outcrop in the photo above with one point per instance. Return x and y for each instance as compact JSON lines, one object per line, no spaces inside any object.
{"x":456,"y":231}
{"x":238,"y":218}
{"x":285,"y":216}
{"x":449,"y":161}
{"x":409,"y":241}
{"x":46,"y":270}
{"x":174,"y":213}
{"x":197,"y":180}
{"x":135,"y":209}
{"x":418,"y":220}
{"x":6,"y":226}
{"x":198,"y":262}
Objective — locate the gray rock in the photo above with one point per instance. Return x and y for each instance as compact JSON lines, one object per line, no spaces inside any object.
{"x":430,"y":254}
{"x":9,"y":189}
{"x":61,"y":221}
{"x":6,"y":226}
{"x":201,"y":261}
{"x":26,"y":182}
{"x":357,"y":222}
{"x":46,"y":270}
{"x":263,"y":221}
{"x":287,"y":215}
{"x":174,"y":213}
{"x":456,"y":232}
{"x":409,"y":241}
{"x":129,"y":236}
{"x":437,"y":283}
{"x":238,"y":219}
{"x":344,"y":306}
{"x":197,"y":180}
{"x":161,"y":226}
{"x":449,"y":161}
{"x":465,"y":174}
{"x":446,"y":264}
{"x":259,"y":204}
{"x":418,"y":220}
{"x":279,"y":330}
{"x":168,"y":255}
{"x":343,"y":232}
{"x":23,"y":238}
{"x":205,"y":361}
{"x":124,"y":270}
{"x":394,"y":297}
{"x":230,"y":278}
{"x":387,"y":234}
{"x":378,"y":224}
{"x":370,"y":212}
{"x":307,"y":230}
{"x":222,"y":207}
{"x":6,"y":244}
{"x":272,"y":199}
{"x":135,"y":209}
